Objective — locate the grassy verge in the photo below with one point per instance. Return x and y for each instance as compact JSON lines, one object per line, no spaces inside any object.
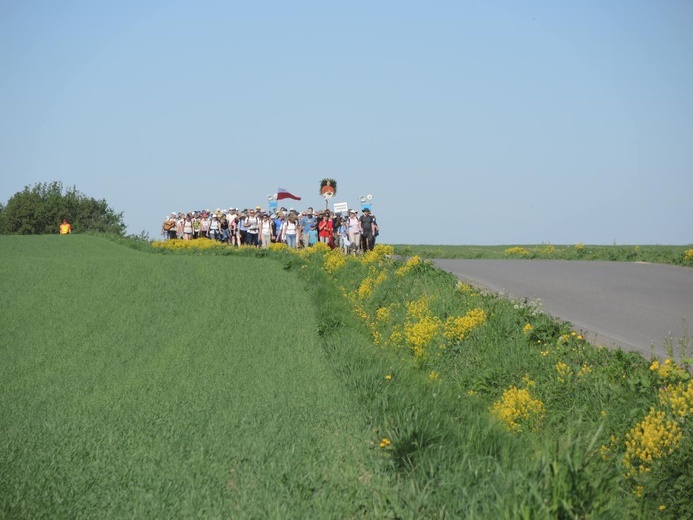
{"x":504,"y":412}
{"x":677,"y":255}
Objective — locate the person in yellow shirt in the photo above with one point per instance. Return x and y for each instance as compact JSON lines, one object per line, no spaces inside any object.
{"x":65,"y":228}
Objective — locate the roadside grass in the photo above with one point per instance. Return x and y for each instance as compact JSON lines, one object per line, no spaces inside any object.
{"x":662,"y":254}
{"x":512,"y":414}
{"x":422,"y":398}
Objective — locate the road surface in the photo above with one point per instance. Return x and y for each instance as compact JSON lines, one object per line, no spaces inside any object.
{"x":635,"y":306}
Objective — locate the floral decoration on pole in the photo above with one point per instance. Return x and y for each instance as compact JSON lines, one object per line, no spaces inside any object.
{"x":328,"y":189}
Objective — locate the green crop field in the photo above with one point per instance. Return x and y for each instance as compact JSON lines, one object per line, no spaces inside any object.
{"x":142,"y":386}
{"x":193,"y":380}
{"x":663,"y":254}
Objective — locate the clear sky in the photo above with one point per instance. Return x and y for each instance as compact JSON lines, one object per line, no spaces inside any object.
{"x":470,"y":122}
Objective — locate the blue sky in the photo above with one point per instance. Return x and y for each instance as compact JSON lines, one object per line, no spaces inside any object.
{"x":469,"y":122}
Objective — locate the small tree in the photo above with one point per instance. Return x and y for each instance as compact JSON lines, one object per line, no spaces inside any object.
{"x":39,"y":209}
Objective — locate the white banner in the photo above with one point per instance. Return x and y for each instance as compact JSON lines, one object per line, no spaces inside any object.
{"x":341,"y":207}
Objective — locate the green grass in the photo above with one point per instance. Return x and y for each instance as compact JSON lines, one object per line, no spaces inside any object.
{"x":662,"y":254}
{"x":144,"y":386}
{"x":253,"y":384}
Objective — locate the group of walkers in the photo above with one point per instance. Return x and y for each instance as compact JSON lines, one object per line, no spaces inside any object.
{"x":253,"y":227}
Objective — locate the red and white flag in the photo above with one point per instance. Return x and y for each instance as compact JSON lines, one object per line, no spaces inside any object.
{"x":283,"y":194}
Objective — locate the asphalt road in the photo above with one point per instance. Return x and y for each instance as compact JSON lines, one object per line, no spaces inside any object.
{"x":635,"y":306}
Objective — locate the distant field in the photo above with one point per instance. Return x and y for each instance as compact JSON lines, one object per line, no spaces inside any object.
{"x":678,"y":255}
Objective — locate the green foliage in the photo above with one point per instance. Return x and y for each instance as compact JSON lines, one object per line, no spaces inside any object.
{"x":569,"y":481}
{"x":672,"y":485}
{"x":38,"y":210}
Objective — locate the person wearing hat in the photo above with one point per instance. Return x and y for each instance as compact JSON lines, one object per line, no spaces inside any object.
{"x":354,"y":229}
{"x":215,"y":228}
{"x":325,"y":229}
{"x":343,"y":234}
{"x":307,"y":222}
{"x":252,"y":227}
{"x":289,"y":231}
{"x":169,"y":227}
{"x":367,"y":230}
{"x":266,"y":230}
{"x":242,"y":230}
{"x":205,"y":221}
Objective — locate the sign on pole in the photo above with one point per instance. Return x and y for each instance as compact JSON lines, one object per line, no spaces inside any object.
{"x":341,"y":207}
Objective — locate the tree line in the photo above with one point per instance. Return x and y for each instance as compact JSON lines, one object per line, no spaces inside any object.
{"x":39,"y":209}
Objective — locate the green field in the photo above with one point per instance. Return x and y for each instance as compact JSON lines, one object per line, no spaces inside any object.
{"x":168,"y":387}
{"x":236,"y":383}
{"x":663,"y":254}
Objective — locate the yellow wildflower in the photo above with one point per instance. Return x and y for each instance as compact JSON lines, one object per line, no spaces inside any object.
{"x":516,"y":251}
{"x":333,"y":261}
{"x":411,"y":264}
{"x":457,"y":328}
{"x":517,"y":407}
{"x":564,"y":371}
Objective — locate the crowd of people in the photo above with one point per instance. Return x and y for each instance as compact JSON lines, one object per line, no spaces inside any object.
{"x":351,"y":232}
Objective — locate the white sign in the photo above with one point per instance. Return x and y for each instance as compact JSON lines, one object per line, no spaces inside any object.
{"x":341,"y":207}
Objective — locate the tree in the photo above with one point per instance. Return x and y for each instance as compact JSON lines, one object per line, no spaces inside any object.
{"x":39,"y":209}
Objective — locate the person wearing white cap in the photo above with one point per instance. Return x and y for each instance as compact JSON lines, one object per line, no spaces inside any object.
{"x":307,"y":222}
{"x":354,"y":228}
{"x":168,"y":229}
